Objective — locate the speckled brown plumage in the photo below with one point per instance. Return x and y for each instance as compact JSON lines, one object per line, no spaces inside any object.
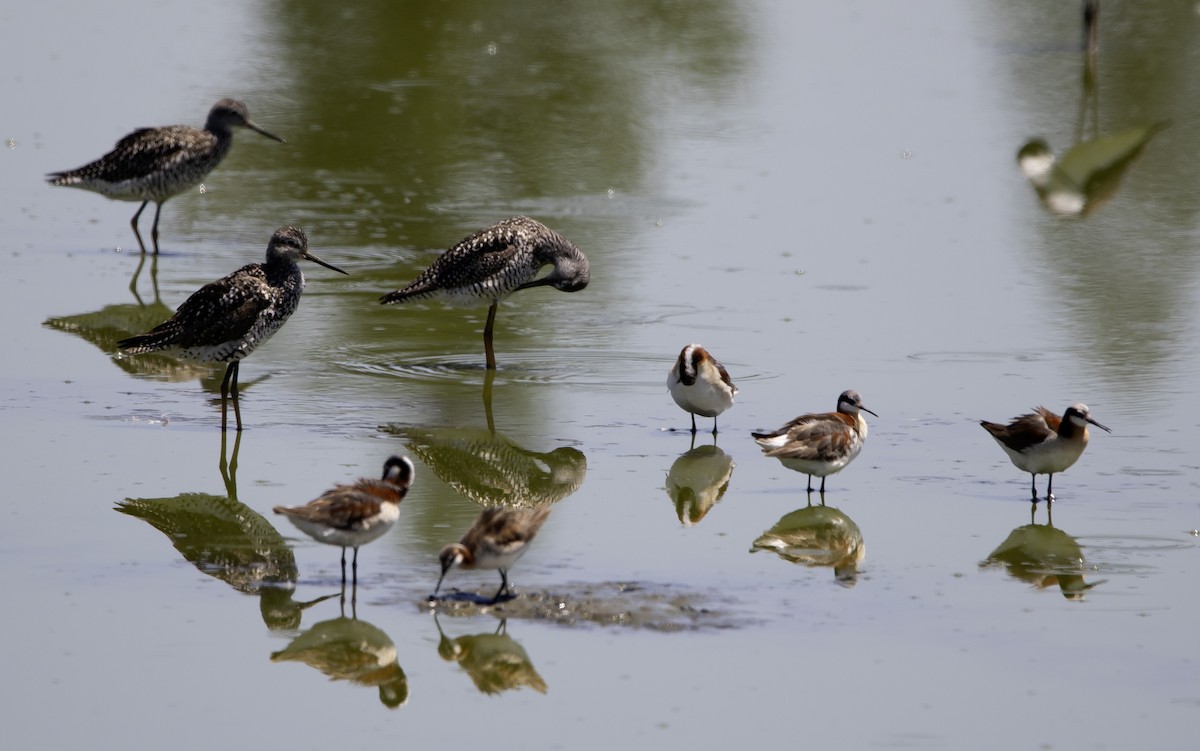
{"x":495,"y":262}
{"x":154,"y":164}
{"x":226,"y":320}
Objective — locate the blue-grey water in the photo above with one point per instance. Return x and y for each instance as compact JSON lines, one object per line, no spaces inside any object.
{"x":826,"y":195}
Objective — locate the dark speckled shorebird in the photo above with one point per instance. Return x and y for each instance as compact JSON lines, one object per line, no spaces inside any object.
{"x":153,"y":164}
{"x":353,"y":515}
{"x":226,"y":320}
{"x":495,"y":262}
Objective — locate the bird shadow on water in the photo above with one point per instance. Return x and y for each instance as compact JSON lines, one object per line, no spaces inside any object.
{"x":1089,"y":172}
{"x":112,"y":323}
{"x":229,"y":541}
{"x":817,"y":537}
{"x":697,"y":480}
{"x":351,"y":650}
{"x":493,"y":660}
{"x":1044,"y":556}
{"x":490,"y":468}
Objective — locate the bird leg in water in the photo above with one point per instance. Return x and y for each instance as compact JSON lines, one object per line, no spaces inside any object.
{"x":487,"y":336}
{"x":134,"y":223}
{"x":229,"y":388}
{"x":503,"y":587}
{"x":154,"y":229}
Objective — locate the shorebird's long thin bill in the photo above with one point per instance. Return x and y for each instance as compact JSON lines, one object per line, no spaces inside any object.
{"x":314,"y":259}
{"x":438,"y":588}
{"x":543,"y":281}
{"x":270,"y":135}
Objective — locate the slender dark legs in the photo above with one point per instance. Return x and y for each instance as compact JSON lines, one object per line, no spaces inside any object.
{"x":714,"y":432}
{"x":229,"y":388}
{"x":503,"y":587}
{"x":1091,"y":17}
{"x":487,"y":336}
{"x":353,"y":567}
{"x":353,"y":584}
{"x":1049,"y":488}
{"x":134,"y":223}
{"x":153,"y":230}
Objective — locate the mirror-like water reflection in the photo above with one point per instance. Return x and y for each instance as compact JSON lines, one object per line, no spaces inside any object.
{"x":351,"y":650}
{"x":1044,"y":556}
{"x":697,"y":481}
{"x":228,"y":540}
{"x":494,"y":661}
{"x":817,"y":536}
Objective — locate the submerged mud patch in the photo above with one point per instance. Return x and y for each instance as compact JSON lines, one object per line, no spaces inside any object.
{"x":633,"y":605}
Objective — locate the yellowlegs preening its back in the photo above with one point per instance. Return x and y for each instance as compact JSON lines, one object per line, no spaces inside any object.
{"x":226,"y":320}
{"x":495,"y":262}
{"x":1042,"y":443}
{"x":820,"y":444}
{"x":496,"y":540}
{"x":353,"y":515}
{"x":700,"y":385}
{"x":153,"y":164}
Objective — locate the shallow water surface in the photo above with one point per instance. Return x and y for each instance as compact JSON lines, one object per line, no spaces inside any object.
{"x":826,"y":195}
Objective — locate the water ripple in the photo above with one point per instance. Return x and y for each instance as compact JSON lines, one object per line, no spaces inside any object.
{"x":977,"y":357}
{"x":579,"y":366}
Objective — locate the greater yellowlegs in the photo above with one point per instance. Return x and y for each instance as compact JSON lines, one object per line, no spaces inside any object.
{"x":353,"y":515}
{"x":153,"y":164}
{"x":495,"y":262}
{"x":226,"y":320}
{"x":495,"y":541}
{"x":1042,"y":443}
{"x":820,"y":444}
{"x":700,"y":385}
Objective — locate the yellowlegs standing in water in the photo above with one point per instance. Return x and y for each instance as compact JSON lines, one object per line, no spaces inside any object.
{"x":226,"y":320}
{"x":353,"y":515}
{"x":1042,"y":443}
{"x":495,"y":541}
{"x":153,"y":164}
{"x":820,"y":444}
{"x":700,"y":384}
{"x":495,"y":262}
